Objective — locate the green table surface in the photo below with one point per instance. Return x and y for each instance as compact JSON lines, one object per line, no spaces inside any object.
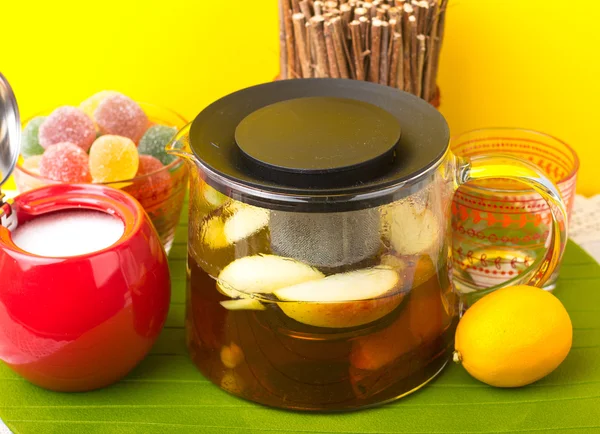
{"x":166,"y":394}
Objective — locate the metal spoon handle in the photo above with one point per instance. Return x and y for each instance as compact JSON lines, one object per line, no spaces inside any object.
{"x":10,"y":130}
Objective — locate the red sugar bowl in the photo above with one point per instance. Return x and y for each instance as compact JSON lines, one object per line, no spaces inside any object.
{"x":83,"y":321}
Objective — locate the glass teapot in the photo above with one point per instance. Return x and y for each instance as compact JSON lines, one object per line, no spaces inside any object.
{"x":319,"y":273}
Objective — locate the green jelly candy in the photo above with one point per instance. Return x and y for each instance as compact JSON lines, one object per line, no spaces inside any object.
{"x":30,"y":144}
{"x":154,"y":140}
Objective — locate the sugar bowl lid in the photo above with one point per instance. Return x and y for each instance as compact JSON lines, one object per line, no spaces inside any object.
{"x":10,"y":130}
{"x":305,"y":144}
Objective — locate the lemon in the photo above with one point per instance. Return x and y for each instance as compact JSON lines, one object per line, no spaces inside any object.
{"x":514,"y":336}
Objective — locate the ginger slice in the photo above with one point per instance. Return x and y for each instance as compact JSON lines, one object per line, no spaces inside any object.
{"x":412,"y":231}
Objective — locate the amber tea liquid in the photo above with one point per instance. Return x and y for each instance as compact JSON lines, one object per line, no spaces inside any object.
{"x":267,"y":357}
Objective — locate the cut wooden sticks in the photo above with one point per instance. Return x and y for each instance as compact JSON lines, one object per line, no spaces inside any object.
{"x":305,"y":9}
{"x":318,"y":7}
{"x":290,"y":51}
{"x":414,"y":50}
{"x":334,"y":70}
{"x":357,"y":51}
{"x":389,"y":42}
{"x":384,"y":64}
{"x":301,"y":44}
{"x":420,"y":64}
{"x":283,"y":61}
{"x":375,"y":50}
{"x":396,"y":70}
{"x":318,"y":41}
{"x":342,"y":52}
{"x":431,"y":56}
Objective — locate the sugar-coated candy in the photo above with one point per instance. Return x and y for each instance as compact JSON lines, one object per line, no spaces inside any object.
{"x":90,"y":105}
{"x":65,"y":162}
{"x":30,"y":143}
{"x":113,"y":158}
{"x":32,"y":164}
{"x":155,"y":178}
{"x":149,"y":164}
{"x":121,"y":116}
{"x":67,"y":124}
{"x":28,"y":176}
{"x":152,"y":183}
{"x":154,"y":140}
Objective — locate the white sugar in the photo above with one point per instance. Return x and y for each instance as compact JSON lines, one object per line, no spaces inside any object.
{"x":68,"y":233}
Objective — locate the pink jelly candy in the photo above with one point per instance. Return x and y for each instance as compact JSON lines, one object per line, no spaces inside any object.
{"x":67,"y":124}
{"x":65,"y":162}
{"x":152,"y":183}
{"x":121,"y":116}
{"x":150,"y":164}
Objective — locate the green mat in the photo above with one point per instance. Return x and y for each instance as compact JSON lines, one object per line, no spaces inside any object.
{"x":166,"y":394}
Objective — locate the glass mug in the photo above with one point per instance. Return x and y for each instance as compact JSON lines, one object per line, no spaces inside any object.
{"x":501,"y":228}
{"x":309,"y":289}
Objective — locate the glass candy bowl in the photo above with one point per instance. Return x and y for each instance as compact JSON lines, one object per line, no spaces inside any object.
{"x":161,"y":193}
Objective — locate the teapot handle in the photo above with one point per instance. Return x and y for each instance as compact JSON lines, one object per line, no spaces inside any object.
{"x":505,"y":167}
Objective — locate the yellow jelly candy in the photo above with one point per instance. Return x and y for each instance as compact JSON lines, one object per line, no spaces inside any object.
{"x":513,"y":336}
{"x":32,"y":164}
{"x":113,"y":158}
{"x":90,"y":105}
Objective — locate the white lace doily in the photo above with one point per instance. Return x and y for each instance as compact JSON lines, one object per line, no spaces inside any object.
{"x":585,"y":224}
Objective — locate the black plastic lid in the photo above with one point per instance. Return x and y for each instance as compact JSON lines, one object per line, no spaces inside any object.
{"x":318,"y":141}
{"x":308,"y":141}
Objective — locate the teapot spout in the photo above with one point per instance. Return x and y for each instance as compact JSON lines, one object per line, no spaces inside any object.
{"x":180,"y":145}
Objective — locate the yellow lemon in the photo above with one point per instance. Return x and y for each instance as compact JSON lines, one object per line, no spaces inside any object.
{"x":514,"y":336}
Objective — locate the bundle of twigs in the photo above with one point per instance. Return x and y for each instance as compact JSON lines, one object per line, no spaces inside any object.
{"x":391,"y":42}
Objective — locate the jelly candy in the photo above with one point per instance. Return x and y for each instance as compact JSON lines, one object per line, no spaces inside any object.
{"x":28,"y":177}
{"x":65,"y":162}
{"x":67,"y":124}
{"x":152,"y":182}
{"x":155,"y":177}
{"x":30,"y":143}
{"x":90,"y":105}
{"x":121,"y":116}
{"x":154,"y":140}
{"x":32,"y":164}
{"x":149,"y":164}
{"x":113,"y":158}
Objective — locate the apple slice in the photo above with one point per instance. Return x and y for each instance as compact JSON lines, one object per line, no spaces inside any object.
{"x":412,"y":231}
{"x":263,"y":274}
{"x":246,"y":220}
{"x":213,"y":197}
{"x":236,"y":222}
{"x":343,"y":300}
{"x":243,"y":304}
{"x":212,"y":233}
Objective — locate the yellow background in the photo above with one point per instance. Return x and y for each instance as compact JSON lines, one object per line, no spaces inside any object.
{"x":530,"y":63}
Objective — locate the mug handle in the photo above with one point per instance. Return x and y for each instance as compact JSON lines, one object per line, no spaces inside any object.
{"x":506,"y":167}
